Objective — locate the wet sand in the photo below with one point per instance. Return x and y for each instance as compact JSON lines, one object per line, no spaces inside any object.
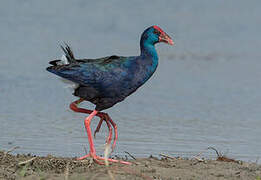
{"x":165,"y":168}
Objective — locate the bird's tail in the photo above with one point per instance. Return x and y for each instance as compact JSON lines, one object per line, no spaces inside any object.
{"x":68,"y":58}
{"x":68,"y":54}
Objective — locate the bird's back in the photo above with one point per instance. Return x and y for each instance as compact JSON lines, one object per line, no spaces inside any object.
{"x":104,"y":81}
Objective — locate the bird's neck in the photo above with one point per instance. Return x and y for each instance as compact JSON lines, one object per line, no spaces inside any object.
{"x":149,"y":53}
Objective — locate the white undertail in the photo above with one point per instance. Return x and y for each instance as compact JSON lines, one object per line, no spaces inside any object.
{"x":70,"y":84}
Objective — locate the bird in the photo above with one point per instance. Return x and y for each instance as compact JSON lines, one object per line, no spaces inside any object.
{"x":107,"y":81}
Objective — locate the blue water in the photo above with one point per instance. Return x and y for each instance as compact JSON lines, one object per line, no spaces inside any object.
{"x":205,"y":92}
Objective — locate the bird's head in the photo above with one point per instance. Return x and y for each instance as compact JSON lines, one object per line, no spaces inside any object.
{"x":155,"y":34}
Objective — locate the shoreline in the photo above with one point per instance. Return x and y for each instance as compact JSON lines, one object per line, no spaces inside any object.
{"x":31,"y":167}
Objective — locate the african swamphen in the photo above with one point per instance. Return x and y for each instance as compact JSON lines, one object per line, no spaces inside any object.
{"x":109,"y":80}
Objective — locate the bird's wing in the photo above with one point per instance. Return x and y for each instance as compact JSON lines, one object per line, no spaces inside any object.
{"x":99,"y":73}
{"x":104,"y":60}
{"x":94,"y":72}
{"x":68,"y":58}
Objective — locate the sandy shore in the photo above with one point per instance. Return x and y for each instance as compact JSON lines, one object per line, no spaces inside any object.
{"x":167,"y":168}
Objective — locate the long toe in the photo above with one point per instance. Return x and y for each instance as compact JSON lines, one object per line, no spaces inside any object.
{"x":84,"y":157}
{"x":97,"y":158}
{"x":115,"y":161}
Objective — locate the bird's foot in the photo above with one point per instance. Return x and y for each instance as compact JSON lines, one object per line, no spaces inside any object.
{"x":98,"y":158}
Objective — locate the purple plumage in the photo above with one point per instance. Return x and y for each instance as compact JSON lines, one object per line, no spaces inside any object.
{"x":109,"y":80}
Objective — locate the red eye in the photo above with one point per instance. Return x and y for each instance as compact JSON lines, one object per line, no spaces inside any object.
{"x":156,"y":32}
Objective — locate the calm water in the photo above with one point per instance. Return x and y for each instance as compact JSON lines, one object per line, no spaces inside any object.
{"x":206,"y":91}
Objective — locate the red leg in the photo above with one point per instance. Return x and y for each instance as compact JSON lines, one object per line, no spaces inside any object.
{"x":108,"y":118}
{"x":99,"y":126}
{"x":92,"y":153}
{"x":104,"y":117}
{"x":115,"y":132}
{"x":87,"y":123}
{"x":108,"y":141}
{"x":74,"y":107}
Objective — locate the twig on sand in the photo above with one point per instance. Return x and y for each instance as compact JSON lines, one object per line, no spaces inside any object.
{"x":167,"y":156}
{"x":130,"y":155}
{"x":27,"y":161}
{"x":106,"y":156}
{"x":221,"y":157}
{"x":218,"y":153}
{"x":66,"y":172}
{"x":198,"y":158}
{"x":8,"y":151}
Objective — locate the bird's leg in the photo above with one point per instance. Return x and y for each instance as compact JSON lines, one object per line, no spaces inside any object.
{"x":99,"y":125}
{"x":108,"y":140}
{"x":107,"y":118}
{"x":87,"y":123}
{"x":115,"y":131}
{"x":92,"y":153}
{"x":74,"y":107}
{"x":103,"y":117}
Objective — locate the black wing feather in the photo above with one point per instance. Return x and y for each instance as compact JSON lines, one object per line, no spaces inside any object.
{"x":68,"y":53}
